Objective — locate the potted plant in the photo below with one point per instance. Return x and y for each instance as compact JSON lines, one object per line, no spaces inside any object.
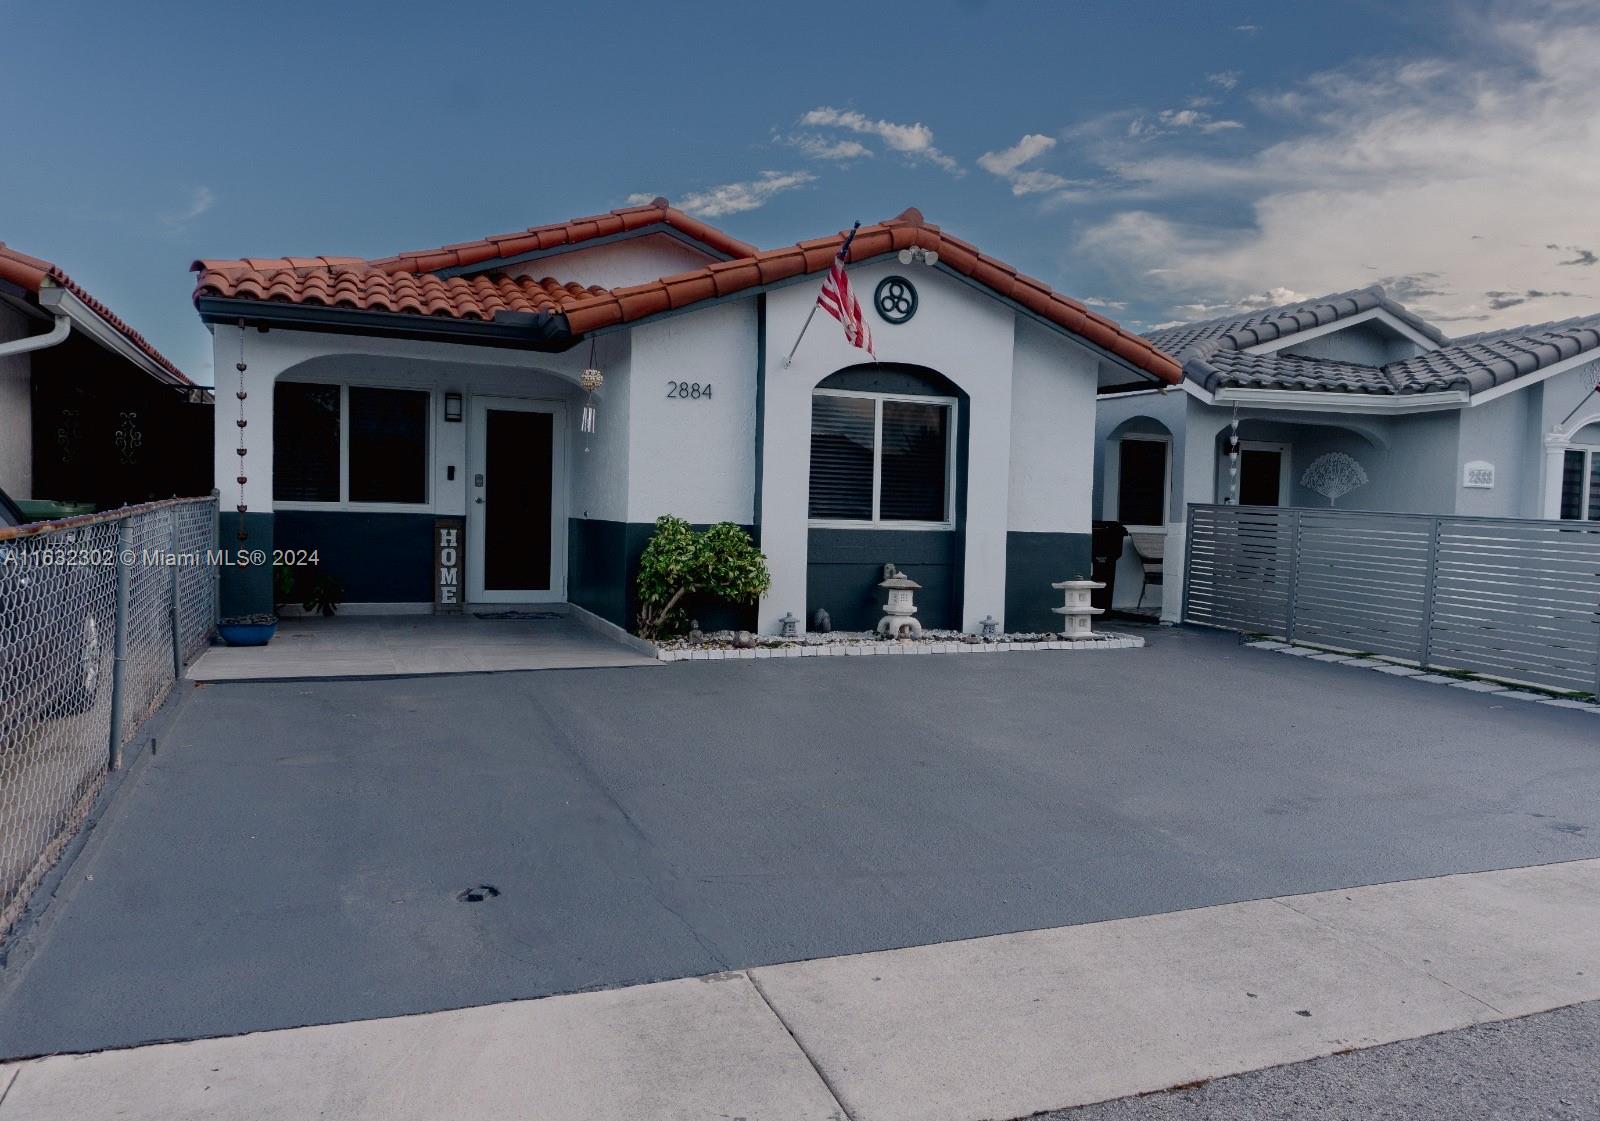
{"x":248,"y":630}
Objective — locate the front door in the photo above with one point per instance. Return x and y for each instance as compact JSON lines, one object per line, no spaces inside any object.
{"x":516,"y":501}
{"x":1262,"y":474}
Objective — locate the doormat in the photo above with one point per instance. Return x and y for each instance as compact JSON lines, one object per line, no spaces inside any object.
{"x":516,"y":615}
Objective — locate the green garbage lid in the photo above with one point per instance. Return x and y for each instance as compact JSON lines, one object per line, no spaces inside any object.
{"x":44,"y":510}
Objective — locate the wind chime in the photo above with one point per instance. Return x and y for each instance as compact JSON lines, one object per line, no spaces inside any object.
{"x":590,"y":380}
{"x":242,"y":423}
{"x":1233,"y":459}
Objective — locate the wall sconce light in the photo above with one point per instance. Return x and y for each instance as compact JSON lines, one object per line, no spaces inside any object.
{"x":452,"y":407}
{"x":918,"y":255}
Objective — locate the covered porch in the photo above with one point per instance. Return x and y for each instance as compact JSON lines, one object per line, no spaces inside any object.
{"x":1160,"y":453}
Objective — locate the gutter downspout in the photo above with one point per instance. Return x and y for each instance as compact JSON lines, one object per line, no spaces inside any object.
{"x":55,"y":335}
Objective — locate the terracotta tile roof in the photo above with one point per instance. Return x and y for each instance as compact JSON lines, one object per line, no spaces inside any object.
{"x":625,"y":305}
{"x":362,"y":287}
{"x":557,"y":235}
{"x":31,"y":274}
{"x":407,"y":283}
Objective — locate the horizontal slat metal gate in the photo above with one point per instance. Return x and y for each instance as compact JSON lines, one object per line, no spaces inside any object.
{"x":1513,"y":598}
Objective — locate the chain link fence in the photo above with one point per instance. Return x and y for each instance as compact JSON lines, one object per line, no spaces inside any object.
{"x":97,"y":617}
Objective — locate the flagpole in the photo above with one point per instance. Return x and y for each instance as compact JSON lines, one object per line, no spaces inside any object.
{"x":1564,"y":419}
{"x":844,"y":251}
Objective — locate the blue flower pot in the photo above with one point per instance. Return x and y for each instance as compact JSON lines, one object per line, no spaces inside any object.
{"x":247,"y":634}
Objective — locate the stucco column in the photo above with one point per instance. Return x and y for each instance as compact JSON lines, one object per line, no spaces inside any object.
{"x":785,"y":492}
{"x":988,"y":495}
{"x":1555,"y":449}
{"x":262,"y":369}
{"x":246,"y":589}
{"x":1198,"y":464}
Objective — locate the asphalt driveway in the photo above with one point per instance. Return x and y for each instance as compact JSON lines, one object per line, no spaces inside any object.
{"x":295,"y":853}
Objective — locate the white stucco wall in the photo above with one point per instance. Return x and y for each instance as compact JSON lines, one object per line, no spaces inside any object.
{"x":1498,"y":433}
{"x":694,"y":457}
{"x":16,"y":409}
{"x":618,"y":264}
{"x":1052,"y":432}
{"x":958,"y":330}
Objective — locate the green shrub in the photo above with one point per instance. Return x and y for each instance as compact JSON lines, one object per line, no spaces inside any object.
{"x":679,"y":562}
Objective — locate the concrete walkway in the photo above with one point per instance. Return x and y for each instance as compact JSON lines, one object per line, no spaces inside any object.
{"x":400,"y":645}
{"x":984,"y":1029}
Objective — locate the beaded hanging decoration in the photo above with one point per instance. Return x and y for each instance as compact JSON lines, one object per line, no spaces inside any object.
{"x":242,"y":423}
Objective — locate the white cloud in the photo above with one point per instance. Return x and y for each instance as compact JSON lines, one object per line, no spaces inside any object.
{"x":735,"y":198}
{"x":201,"y":200}
{"x":1247,"y":28}
{"x":1007,"y":164}
{"x":1007,"y":160}
{"x":1103,"y":301}
{"x":1469,"y":182}
{"x":820,"y":148}
{"x":1225,"y":79}
{"x":1179,"y":120}
{"x":913,"y":140}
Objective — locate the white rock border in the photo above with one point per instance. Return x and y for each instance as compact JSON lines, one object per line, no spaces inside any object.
{"x":1473,"y":684}
{"x":1102,"y":640}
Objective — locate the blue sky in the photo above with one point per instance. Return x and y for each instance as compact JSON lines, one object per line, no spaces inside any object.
{"x":1169,"y":160}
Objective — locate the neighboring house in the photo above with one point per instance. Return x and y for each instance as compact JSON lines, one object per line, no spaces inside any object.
{"x":1503,"y":423}
{"x":89,"y":411}
{"x":384,"y":394}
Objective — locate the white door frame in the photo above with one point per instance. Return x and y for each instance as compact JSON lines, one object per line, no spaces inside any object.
{"x":1256,"y":446}
{"x":478,"y":408}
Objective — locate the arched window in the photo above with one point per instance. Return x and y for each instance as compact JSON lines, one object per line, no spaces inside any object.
{"x":1580,"y":476}
{"x":883,"y":448}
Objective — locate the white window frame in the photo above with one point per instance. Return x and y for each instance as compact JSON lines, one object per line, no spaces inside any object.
{"x":343,"y":502}
{"x":1284,"y":472}
{"x":1585,"y":481}
{"x":1166,"y":480}
{"x":877,"y":521}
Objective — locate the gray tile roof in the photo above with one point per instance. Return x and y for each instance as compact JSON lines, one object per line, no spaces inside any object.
{"x":1236,"y":332}
{"x":1213,"y":355}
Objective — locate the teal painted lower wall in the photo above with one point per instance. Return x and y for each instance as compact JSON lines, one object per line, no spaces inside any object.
{"x":1034,"y":561}
{"x":246,"y":589}
{"x":603,"y":567}
{"x":379,"y":558}
{"x":844,"y":567}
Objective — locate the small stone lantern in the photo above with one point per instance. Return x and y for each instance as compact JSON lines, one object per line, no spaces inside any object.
{"x":989,"y":627}
{"x":789,"y":626}
{"x":1077,"y":613}
{"x":899,"y":614}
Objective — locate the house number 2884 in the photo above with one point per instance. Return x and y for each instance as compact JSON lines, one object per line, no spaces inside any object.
{"x":689,"y":390}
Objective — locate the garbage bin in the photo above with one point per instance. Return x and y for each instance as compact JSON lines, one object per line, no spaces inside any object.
{"x":1105,"y":550}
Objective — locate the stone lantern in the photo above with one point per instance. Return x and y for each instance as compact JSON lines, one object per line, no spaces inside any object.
{"x":789,"y":626}
{"x":899,"y":613}
{"x":1077,"y":613}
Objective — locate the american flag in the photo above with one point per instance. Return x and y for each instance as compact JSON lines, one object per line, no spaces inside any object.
{"x":839,"y":301}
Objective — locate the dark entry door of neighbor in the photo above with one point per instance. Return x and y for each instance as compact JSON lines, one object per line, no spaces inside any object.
{"x":517,"y":493}
{"x":1260,"y":475}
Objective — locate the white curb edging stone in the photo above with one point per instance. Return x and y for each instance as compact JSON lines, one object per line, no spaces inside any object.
{"x":1474,"y":684}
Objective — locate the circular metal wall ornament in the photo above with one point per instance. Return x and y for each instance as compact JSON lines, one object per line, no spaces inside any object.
{"x":895,"y":299}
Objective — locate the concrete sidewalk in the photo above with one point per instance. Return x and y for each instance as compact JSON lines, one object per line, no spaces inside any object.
{"x":989,"y":1028}
{"x":491,"y":640}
